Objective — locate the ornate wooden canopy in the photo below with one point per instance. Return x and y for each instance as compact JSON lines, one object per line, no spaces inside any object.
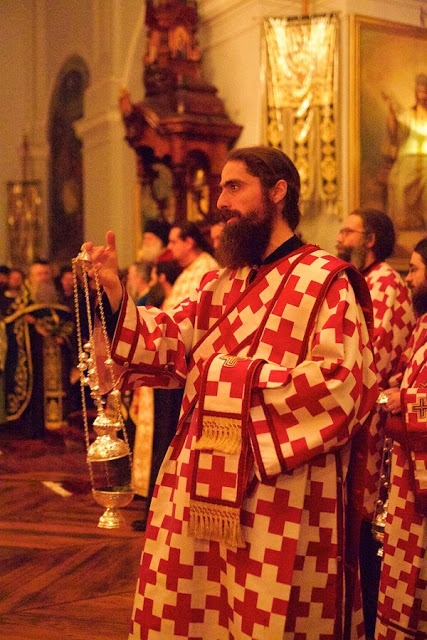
{"x":181,"y":122}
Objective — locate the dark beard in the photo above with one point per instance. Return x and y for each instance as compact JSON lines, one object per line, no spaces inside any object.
{"x":354,"y":255}
{"x":344,"y":253}
{"x":419,"y":299}
{"x":243,"y":242}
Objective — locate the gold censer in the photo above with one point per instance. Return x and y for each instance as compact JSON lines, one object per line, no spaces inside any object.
{"x":108,"y":457}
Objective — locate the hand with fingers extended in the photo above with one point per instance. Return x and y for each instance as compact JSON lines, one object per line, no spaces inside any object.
{"x":104,"y":260}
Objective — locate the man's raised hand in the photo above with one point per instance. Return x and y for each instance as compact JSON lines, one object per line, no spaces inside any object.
{"x":104,"y":260}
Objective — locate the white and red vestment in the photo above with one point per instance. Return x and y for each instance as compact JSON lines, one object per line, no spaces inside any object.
{"x":402,"y":608}
{"x":393,"y":323}
{"x":247,"y":537}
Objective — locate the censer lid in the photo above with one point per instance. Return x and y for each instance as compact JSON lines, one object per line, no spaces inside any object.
{"x":107,"y":448}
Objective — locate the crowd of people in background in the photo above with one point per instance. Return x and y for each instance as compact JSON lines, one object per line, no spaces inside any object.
{"x":38,"y":325}
{"x":38,"y":349}
{"x":40,"y":388}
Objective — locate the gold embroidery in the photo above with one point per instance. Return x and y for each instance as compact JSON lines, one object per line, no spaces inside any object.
{"x":52,"y":384}
{"x":18,"y":401}
{"x":420,"y":408}
{"x":302,"y":102}
{"x":231,"y":361}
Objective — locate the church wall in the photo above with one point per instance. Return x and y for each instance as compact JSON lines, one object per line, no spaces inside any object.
{"x":118,"y":38}
{"x":16,"y":101}
{"x":231,"y":36}
{"x":37,"y":39}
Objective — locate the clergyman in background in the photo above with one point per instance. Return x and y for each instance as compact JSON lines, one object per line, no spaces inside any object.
{"x":366,"y":240}
{"x":402,"y":607}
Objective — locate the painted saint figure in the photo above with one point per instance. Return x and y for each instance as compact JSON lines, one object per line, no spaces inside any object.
{"x":407,"y":180}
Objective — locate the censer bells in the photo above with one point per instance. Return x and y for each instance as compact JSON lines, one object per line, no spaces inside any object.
{"x":109,"y":457}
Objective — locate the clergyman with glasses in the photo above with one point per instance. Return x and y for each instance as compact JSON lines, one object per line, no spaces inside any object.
{"x":366,"y":240}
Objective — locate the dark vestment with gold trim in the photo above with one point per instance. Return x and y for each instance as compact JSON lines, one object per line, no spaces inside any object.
{"x":37,"y":366}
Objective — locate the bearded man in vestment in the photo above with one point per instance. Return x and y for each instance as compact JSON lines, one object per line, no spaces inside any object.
{"x":251,"y":523}
{"x":367,"y":239}
{"x":402,"y":608}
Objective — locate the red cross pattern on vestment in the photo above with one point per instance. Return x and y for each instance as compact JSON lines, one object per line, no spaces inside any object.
{"x":250,"y":567}
{"x":308,"y":395}
{"x":221,"y":605}
{"x":231,"y":296}
{"x":173,"y":569}
{"x":149,"y":574}
{"x":213,"y":561}
{"x":316,"y":503}
{"x":279,"y":511}
{"x":326,"y":597}
{"x":400,"y":485}
{"x":250,"y":613}
{"x":298,"y":613}
{"x":227,"y":337}
{"x":280,"y":559}
{"x":145,"y":618}
{"x":171,"y":524}
{"x":236,"y":383}
{"x":296,"y":609}
{"x":183,"y":614}
{"x":208,"y":312}
{"x":322,"y":550}
{"x":410,"y":548}
{"x":216,"y":478}
{"x":270,"y":338}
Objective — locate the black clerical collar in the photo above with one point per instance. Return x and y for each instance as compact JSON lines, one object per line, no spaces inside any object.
{"x":287,"y":247}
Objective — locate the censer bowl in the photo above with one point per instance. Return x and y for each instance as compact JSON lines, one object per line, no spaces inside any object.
{"x":110,"y":479}
{"x":113,"y":500}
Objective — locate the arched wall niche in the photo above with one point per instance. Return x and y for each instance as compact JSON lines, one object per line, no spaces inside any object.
{"x":66,"y":201}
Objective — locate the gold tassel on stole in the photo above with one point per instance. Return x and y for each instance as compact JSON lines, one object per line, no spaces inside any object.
{"x":221,"y":433}
{"x":215,"y":522}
